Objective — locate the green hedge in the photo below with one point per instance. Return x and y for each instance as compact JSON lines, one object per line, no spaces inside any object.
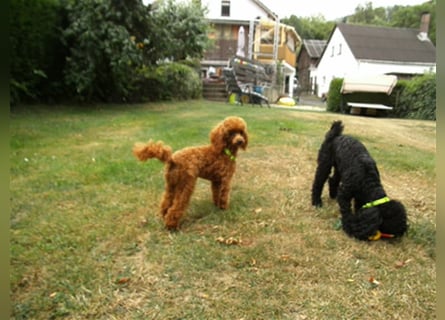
{"x":170,"y":81}
{"x":418,"y":98}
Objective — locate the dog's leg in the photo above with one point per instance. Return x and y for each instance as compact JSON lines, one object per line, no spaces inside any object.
{"x":348,"y":220}
{"x":181,"y":199}
{"x":216,"y":187}
{"x":167,"y":200}
{"x":321,"y":175}
{"x":334,"y":181}
{"x":344,"y":199}
{"x":221,"y":193}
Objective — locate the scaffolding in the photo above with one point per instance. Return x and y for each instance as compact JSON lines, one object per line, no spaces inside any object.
{"x":254,"y":42}
{"x":265,"y":39}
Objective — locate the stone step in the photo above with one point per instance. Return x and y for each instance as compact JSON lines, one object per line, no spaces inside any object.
{"x":215,"y":91}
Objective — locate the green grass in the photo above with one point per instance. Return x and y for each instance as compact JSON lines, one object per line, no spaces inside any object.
{"x":87,"y":241}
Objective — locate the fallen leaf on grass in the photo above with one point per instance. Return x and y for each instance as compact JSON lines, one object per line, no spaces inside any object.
{"x":400,"y":264}
{"x":374,"y":283}
{"x":123,"y":280}
{"x":203,"y":295}
{"x":143,"y":222}
{"x":284,"y":257}
{"x":229,"y":241}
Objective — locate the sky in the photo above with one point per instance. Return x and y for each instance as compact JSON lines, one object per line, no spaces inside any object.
{"x":330,"y":9}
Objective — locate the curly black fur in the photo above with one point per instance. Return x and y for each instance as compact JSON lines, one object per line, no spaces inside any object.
{"x":357,"y":178}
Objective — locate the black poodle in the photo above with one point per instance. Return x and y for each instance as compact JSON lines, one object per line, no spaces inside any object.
{"x":356,"y":177}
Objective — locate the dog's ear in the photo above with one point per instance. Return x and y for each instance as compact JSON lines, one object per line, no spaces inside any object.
{"x":363,"y":224}
{"x":246,"y":138}
{"x":217,"y":136}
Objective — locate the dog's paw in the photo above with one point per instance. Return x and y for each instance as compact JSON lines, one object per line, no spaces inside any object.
{"x":317,"y":204}
{"x":223,"y":205}
{"x":171,"y":225}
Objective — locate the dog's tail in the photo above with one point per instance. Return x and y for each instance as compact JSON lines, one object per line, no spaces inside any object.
{"x":335,"y":131}
{"x":152,"y":150}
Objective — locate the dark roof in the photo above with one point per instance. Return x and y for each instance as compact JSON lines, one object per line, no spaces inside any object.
{"x":314,"y":48}
{"x":387,"y":44}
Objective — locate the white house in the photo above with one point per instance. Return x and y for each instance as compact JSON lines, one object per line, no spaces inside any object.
{"x":358,"y":50}
{"x":237,"y":10}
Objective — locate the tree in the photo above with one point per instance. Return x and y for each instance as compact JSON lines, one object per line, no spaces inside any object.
{"x":112,"y":41}
{"x":368,"y":15}
{"x":396,"y":16}
{"x":178,"y":30}
{"x":103,"y":38}
{"x":36,"y":52}
{"x":409,"y":17}
{"x":315,"y":27}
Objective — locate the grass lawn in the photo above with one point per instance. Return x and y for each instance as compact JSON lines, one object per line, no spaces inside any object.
{"x":87,"y":241}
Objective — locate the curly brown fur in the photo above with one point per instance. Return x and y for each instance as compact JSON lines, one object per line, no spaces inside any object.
{"x":355,"y":179}
{"x":215,"y":162}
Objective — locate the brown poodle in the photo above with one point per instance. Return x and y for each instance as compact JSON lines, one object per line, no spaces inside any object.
{"x":215,"y":162}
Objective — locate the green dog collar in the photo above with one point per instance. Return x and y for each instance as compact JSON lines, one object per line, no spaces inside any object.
{"x":231,"y":156}
{"x":376,"y":203}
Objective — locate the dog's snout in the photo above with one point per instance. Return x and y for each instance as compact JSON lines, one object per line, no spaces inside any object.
{"x":239,"y":141}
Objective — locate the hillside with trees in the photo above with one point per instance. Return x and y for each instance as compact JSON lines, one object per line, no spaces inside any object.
{"x":317,"y":27}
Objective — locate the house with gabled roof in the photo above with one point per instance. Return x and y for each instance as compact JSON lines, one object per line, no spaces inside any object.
{"x":266,"y":39}
{"x":359,"y":50}
{"x":307,"y":61}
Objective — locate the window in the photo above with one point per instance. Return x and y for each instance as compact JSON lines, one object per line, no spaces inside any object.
{"x":225,"y":8}
{"x":332,"y":52}
{"x":339,"y":49}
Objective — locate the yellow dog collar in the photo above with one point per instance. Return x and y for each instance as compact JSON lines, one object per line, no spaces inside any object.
{"x":231,"y":156}
{"x":376,"y":203}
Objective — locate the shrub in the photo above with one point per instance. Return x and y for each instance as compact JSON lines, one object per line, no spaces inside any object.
{"x":418,"y":99}
{"x":334,"y":102}
{"x":169,"y":81}
{"x":399,"y":110}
